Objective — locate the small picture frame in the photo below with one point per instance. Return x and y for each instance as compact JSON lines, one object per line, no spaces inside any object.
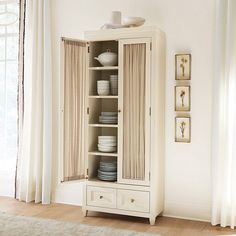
{"x":182,"y":129}
{"x":182,"y":66}
{"x":182,"y":98}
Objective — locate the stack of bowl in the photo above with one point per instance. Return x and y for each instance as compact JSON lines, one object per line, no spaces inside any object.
{"x":108,"y":117}
{"x":107,"y":143}
{"x":103,"y":87}
{"x":114,"y":84}
{"x":107,"y":170}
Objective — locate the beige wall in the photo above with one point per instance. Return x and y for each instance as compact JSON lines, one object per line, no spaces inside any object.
{"x":189,"y":27}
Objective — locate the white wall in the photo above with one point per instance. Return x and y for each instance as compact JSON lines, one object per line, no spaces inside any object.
{"x":189,"y":27}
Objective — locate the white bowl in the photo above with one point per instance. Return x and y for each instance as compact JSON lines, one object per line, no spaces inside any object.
{"x":103,"y":88}
{"x":103,"y":82}
{"x":106,"y":137}
{"x":133,"y":21}
{"x":107,"y":149}
{"x":104,"y":93}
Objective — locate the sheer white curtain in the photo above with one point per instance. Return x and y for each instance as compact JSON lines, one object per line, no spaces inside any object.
{"x":34,"y":166}
{"x":224,"y":117}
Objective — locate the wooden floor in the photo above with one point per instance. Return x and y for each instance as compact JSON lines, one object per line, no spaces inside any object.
{"x":164,"y":225}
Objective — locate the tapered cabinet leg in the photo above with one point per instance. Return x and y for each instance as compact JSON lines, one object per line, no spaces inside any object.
{"x":152,"y":220}
{"x":85,"y":212}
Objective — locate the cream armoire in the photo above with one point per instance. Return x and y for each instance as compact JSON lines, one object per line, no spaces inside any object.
{"x":140,"y":103}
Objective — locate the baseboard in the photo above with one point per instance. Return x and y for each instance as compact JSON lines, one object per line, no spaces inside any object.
{"x":188,"y":211}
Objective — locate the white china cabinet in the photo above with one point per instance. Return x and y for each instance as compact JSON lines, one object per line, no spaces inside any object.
{"x":139,"y":131}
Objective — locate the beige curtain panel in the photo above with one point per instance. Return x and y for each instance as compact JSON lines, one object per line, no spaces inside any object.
{"x":134,"y":111}
{"x":74,"y":109}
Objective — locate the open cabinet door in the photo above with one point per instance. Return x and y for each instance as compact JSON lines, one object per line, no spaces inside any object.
{"x":73,"y":162}
{"x":134,"y":106}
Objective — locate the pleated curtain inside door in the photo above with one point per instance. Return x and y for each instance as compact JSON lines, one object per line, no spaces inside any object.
{"x":74,"y":107}
{"x":134,"y":81}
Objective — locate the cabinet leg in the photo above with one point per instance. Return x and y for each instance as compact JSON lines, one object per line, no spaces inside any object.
{"x":85,"y":212}
{"x":152,"y":220}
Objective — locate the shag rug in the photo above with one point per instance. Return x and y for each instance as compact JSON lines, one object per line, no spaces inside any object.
{"x":12,"y":225}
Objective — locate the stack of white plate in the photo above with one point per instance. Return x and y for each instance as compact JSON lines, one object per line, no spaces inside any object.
{"x":108,"y":118}
{"x":114,"y":84}
{"x":103,"y":87}
{"x":107,"y":170}
{"x":107,"y":143}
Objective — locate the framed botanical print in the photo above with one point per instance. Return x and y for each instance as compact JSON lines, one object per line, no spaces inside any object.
{"x":182,"y":129}
{"x":182,"y":98}
{"x":183,"y":66}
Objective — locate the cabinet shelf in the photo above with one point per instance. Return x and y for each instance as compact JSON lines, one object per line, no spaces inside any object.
{"x":97,"y":153}
{"x":104,"y":68}
{"x":108,"y":96}
{"x":104,"y":125}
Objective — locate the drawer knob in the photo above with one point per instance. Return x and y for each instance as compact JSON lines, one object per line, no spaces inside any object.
{"x":101,"y":197}
{"x":132,"y":200}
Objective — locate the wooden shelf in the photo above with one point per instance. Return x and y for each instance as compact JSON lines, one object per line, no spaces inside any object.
{"x":104,"y":68}
{"x":97,"y":153}
{"x":104,"y":125}
{"x":108,"y":96}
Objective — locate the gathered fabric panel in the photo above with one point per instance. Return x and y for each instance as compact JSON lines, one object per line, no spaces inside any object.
{"x":134,"y":111}
{"x":74,"y":109}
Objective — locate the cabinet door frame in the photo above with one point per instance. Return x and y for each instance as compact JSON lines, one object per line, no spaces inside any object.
{"x":61,"y":111}
{"x":146,"y":180}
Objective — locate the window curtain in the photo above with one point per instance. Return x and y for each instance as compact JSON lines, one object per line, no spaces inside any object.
{"x":74,"y":109}
{"x":134,"y":111}
{"x":224,"y":117}
{"x":20,"y":95}
{"x":34,"y":164}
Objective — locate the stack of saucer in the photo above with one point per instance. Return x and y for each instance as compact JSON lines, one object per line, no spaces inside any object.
{"x":107,"y":170}
{"x":108,"y":117}
{"x":114,"y":84}
{"x":103,"y":87}
{"x":107,"y":143}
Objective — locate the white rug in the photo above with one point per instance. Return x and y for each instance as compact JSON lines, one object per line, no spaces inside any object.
{"x":11,"y":225}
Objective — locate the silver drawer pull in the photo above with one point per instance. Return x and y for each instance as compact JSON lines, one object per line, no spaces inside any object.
{"x":101,"y":197}
{"x":132,"y":200}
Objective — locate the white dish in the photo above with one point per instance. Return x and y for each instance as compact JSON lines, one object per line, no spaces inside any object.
{"x":113,"y":26}
{"x":106,"y":137}
{"x":102,"y":81}
{"x":103,"y":89}
{"x":108,"y":117}
{"x":108,"y":146}
{"x":107,"y":141}
{"x":133,"y":21}
{"x":109,"y":113}
{"x":108,"y":121}
{"x":107,"y":58}
{"x":103,"y":93}
{"x":112,"y":149}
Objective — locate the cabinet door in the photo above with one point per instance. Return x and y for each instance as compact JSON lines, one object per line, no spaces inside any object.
{"x":134,"y":107}
{"x":73,"y":164}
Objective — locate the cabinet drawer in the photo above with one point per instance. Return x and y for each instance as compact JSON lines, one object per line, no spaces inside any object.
{"x":101,"y":197}
{"x":132,"y":200}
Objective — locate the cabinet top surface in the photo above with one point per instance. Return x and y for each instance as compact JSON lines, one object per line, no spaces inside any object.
{"x":147,"y":31}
